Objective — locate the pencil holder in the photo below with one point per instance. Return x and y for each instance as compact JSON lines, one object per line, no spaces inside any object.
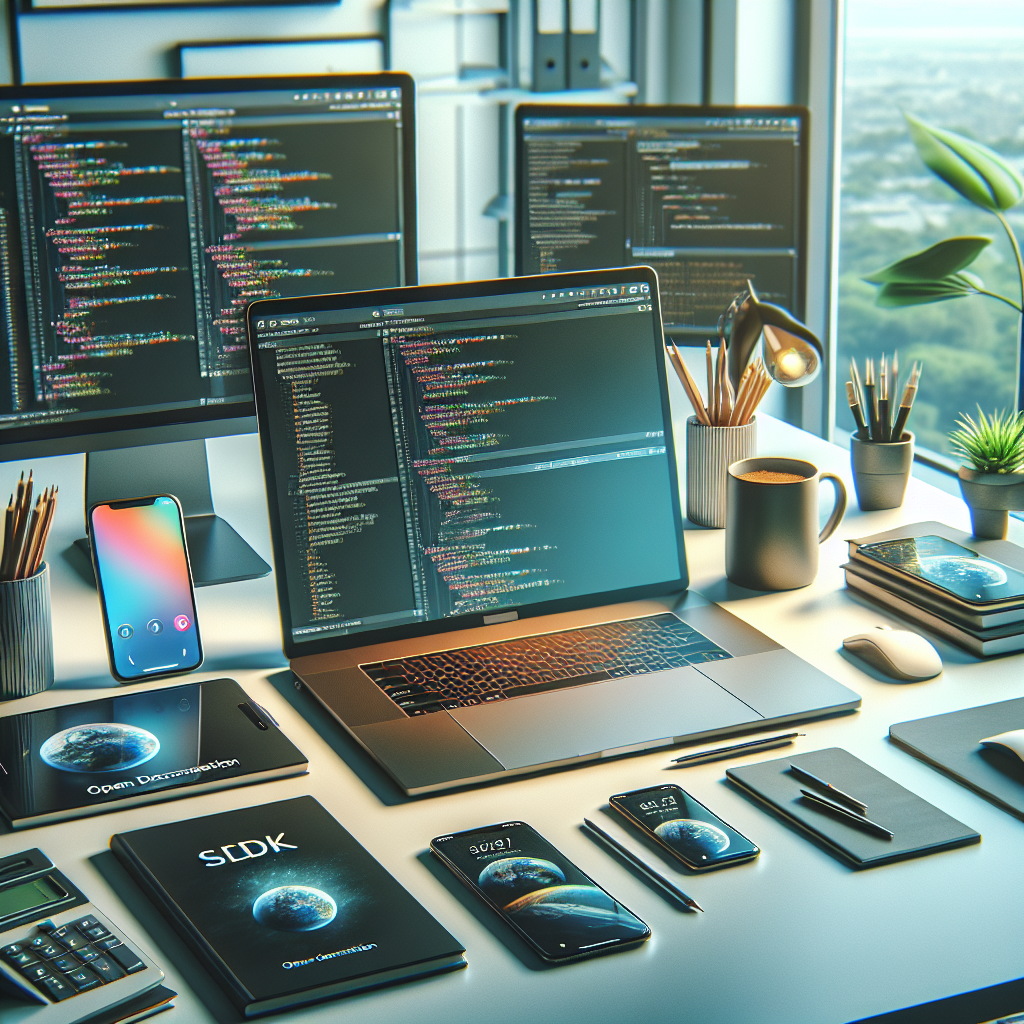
{"x":709,"y":453}
{"x":26,"y":636}
{"x":881,"y":471}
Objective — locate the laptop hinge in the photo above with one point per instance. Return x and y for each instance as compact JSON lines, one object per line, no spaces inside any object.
{"x":490,"y":620}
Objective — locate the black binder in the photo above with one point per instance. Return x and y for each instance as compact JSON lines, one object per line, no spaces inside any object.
{"x":919,"y":826}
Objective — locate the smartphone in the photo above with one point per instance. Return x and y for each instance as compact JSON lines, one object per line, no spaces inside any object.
{"x":950,"y":567}
{"x":560,"y":911}
{"x":145,"y":585}
{"x":684,"y":827}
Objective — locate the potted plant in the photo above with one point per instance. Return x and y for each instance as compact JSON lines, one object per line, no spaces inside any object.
{"x":993,"y":482}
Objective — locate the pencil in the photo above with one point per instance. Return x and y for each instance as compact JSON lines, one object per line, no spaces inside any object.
{"x":34,"y":547}
{"x":8,"y":537}
{"x":30,"y":539}
{"x":712,"y":415}
{"x":855,"y":377}
{"x":858,"y":415}
{"x":869,"y":399}
{"x":906,"y":404}
{"x":46,"y":529}
{"x":689,"y":384}
{"x":724,"y":387}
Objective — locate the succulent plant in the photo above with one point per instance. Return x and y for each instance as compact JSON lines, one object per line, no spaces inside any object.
{"x":992,"y":444}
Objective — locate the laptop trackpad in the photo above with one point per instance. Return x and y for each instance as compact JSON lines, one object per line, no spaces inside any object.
{"x":588,"y":719}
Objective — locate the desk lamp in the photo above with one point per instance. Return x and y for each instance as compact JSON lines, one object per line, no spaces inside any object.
{"x":792,"y":354}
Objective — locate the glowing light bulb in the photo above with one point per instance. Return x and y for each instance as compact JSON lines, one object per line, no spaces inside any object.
{"x":788,"y":359}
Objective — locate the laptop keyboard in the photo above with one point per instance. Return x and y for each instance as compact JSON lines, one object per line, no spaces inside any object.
{"x":532,"y":664}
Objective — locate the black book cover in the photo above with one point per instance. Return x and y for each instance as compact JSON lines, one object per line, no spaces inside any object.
{"x":137,"y":747}
{"x":282,"y":904}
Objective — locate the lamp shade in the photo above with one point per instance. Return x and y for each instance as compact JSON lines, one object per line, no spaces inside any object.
{"x":791,"y":352}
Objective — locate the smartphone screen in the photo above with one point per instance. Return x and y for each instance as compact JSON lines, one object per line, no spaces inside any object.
{"x":951,"y":567}
{"x":145,"y":587}
{"x":541,"y":893}
{"x":684,"y":826}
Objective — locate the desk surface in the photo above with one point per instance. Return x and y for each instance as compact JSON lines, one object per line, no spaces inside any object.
{"x":794,"y":937}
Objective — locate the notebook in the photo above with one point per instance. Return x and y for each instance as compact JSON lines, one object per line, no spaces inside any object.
{"x":918,"y":826}
{"x":950,"y":743}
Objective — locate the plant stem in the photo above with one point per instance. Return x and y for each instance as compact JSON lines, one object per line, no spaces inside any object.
{"x":1001,"y":298}
{"x":1016,"y":253}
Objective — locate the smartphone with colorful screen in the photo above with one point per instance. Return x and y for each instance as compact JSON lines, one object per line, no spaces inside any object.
{"x":145,"y":586}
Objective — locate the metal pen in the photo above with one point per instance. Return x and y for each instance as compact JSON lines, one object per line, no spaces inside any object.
{"x":834,"y":791}
{"x":749,"y":747}
{"x":847,"y":815}
{"x":663,"y":883}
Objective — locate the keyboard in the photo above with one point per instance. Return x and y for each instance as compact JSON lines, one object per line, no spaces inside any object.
{"x":468,"y":676}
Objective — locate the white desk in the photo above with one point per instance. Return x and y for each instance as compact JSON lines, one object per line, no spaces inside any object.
{"x":794,"y":938}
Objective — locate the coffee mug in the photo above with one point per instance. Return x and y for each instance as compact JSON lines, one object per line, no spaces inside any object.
{"x":771,"y":522}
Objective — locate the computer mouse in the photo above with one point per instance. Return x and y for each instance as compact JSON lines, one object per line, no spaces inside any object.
{"x":896,"y":652}
{"x":1007,"y":742}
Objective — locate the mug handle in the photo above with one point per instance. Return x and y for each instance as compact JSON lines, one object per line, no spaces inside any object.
{"x":837,"y":510}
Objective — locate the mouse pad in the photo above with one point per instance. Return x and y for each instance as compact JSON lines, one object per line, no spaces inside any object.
{"x":918,"y":826}
{"x":950,"y":743}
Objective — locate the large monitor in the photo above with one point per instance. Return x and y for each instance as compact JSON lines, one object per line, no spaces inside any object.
{"x":137,"y":221}
{"x":708,"y":196}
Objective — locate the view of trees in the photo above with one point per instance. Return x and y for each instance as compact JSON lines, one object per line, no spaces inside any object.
{"x":971,"y":81}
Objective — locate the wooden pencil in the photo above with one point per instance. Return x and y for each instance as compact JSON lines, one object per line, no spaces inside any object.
{"x":30,"y":539}
{"x":724,"y":388}
{"x":711,"y":384}
{"x":689,"y":384}
{"x":44,"y":532}
{"x":8,"y":538}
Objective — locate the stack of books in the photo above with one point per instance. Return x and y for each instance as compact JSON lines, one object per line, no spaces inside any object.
{"x":982,"y":627}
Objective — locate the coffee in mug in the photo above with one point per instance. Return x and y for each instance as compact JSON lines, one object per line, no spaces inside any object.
{"x":771,"y":522}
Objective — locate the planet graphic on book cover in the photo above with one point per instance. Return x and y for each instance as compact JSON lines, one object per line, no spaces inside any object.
{"x":99,"y":747}
{"x":294,"y":908}
{"x":510,"y":877}
{"x":700,"y":840}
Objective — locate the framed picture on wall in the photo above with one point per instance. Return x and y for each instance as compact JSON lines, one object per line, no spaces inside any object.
{"x":256,"y":58}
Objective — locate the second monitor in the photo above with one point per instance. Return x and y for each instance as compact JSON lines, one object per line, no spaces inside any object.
{"x":708,"y":196}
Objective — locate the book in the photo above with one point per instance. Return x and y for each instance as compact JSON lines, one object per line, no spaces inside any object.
{"x":1003,"y":551}
{"x":983,"y":644}
{"x":282,"y":906}
{"x":969,"y":619}
{"x":135,"y":748}
{"x":918,"y":827}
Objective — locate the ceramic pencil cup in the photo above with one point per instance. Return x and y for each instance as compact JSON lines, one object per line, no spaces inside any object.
{"x":709,"y":453}
{"x":26,"y":635}
{"x":881,"y":471}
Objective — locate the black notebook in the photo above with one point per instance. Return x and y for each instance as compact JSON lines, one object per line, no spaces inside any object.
{"x":282,"y":906}
{"x":918,"y":826}
{"x":135,"y":748}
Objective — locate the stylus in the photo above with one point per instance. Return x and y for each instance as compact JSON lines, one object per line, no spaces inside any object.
{"x":851,"y":816}
{"x":833,"y":791}
{"x":750,"y":747}
{"x":663,"y":883}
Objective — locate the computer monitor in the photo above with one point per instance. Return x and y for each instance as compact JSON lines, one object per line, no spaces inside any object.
{"x":708,"y":196}
{"x":137,"y":221}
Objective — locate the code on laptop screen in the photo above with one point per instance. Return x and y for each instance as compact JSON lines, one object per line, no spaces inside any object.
{"x":438,"y":459}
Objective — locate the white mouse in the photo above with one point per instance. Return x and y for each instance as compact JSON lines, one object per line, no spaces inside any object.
{"x":1007,"y":743}
{"x":896,"y":652}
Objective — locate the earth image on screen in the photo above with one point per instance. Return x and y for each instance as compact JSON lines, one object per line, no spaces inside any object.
{"x":510,"y":877}
{"x":699,"y":839}
{"x":294,"y":908}
{"x":99,"y":747}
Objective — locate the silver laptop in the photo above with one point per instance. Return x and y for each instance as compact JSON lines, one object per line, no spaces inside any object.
{"x":477,"y":530}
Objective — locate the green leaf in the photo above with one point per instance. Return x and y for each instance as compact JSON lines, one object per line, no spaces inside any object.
{"x":894,"y":294}
{"x":978,"y":173}
{"x":935,"y":262}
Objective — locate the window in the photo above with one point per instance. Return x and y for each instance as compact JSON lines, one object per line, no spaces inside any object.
{"x":957,"y":66}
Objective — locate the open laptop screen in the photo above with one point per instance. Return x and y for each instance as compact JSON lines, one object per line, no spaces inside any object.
{"x":442,"y":455}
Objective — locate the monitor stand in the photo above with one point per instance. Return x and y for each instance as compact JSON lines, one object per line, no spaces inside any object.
{"x":217,"y":553}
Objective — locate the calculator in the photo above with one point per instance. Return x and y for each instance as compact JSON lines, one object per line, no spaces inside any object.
{"x":61,"y":960}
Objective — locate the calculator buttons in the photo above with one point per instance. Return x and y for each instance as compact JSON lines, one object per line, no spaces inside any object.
{"x":19,"y":959}
{"x":126,"y":958}
{"x":87,"y":953}
{"x":69,"y":938}
{"x":106,"y":969}
{"x":66,"y":963}
{"x":82,"y":979}
{"x":36,"y":971}
{"x":42,"y":946}
{"x":55,"y":988}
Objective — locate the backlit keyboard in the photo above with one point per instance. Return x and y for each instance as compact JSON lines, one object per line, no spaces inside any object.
{"x":517,"y":668}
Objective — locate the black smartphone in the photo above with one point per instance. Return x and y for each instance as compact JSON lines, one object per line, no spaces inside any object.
{"x":684,"y":827}
{"x":950,"y":567}
{"x":560,"y":911}
{"x":145,"y":585}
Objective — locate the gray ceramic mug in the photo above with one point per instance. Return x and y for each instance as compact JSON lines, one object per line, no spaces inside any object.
{"x":771,"y":528}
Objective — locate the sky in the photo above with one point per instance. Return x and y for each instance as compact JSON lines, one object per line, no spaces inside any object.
{"x":936,"y":20}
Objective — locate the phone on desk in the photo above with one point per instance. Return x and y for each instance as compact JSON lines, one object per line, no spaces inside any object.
{"x":145,"y":586}
{"x":550,"y":902}
{"x":684,"y":826}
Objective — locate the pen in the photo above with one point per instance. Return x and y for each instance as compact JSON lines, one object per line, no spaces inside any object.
{"x":856,"y":819}
{"x":851,"y":397}
{"x":750,"y":747}
{"x":662,"y":883}
{"x":836,"y":793}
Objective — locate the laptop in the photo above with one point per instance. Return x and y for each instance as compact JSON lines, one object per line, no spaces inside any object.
{"x":477,"y":531}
